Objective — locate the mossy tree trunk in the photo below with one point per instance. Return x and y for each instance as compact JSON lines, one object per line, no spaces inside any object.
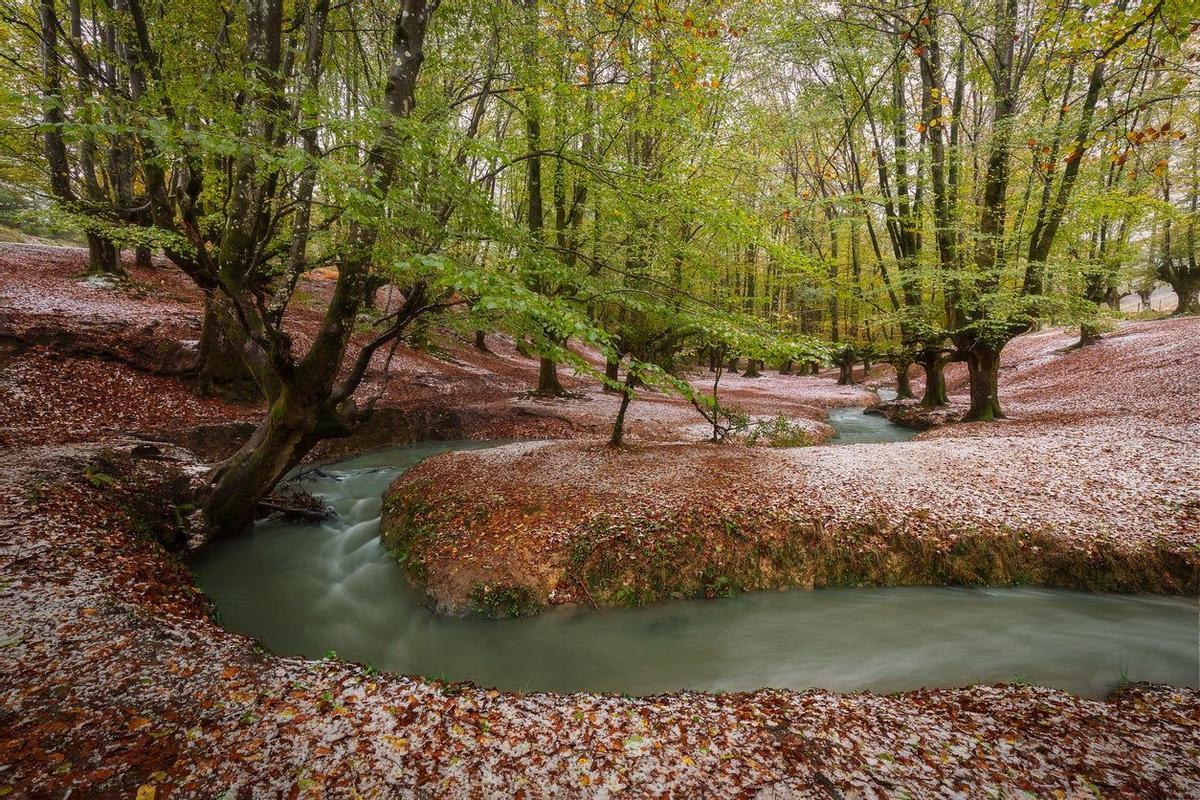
{"x":846,"y":370}
{"x":983,"y":365}
{"x":278,"y":444}
{"x":104,"y":258}
{"x":933,"y":362}
{"x":1187,"y":290}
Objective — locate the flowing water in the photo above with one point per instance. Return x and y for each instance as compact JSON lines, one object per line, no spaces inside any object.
{"x":856,"y":427}
{"x":312,"y":588}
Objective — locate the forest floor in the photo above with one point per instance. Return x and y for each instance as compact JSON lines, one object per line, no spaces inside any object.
{"x":115,"y":680}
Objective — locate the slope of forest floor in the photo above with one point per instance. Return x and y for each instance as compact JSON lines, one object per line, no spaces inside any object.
{"x":81,"y":359}
{"x":115,"y":679}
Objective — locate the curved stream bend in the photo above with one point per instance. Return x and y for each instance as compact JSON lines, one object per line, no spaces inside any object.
{"x":312,"y":588}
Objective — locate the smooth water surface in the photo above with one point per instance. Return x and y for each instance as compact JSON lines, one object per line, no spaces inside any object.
{"x":855,"y":427}
{"x":311,"y":588}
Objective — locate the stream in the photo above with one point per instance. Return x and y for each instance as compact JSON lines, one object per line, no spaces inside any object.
{"x":855,"y":427}
{"x":314,"y":589}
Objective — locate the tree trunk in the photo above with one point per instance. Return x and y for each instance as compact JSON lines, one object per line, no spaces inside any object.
{"x":618,"y":431}
{"x":222,"y":370}
{"x":983,"y":363}
{"x":752,"y":368}
{"x":934,"y":364}
{"x":236,"y":485}
{"x":786,"y":367}
{"x":1188,"y":294}
{"x":143,"y":257}
{"x":612,"y":369}
{"x":481,"y":342}
{"x":104,"y":258}
{"x":548,"y":383}
{"x":732,"y":365}
{"x":903,"y":386}
{"x":371,"y":287}
{"x":846,"y":371}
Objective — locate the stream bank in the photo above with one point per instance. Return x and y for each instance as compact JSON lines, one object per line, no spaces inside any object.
{"x":515,"y":529}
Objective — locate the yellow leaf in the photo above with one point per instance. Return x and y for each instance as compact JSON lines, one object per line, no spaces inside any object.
{"x":688,"y":760}
{"x":146,"y":792}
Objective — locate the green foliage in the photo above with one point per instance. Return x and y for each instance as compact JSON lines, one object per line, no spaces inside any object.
{"x":500,"y":600}
{"x":778,"y":432}
{"x":98,"y":478}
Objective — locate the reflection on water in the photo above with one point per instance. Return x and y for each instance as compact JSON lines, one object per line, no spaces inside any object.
{"x":310,"y":588}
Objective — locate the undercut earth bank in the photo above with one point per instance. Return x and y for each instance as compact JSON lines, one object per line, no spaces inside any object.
{"x":510,"y":530}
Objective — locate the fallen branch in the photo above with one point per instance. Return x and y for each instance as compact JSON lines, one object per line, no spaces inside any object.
{"x":298,"y":504}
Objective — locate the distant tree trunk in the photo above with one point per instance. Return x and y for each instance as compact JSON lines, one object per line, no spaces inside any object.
{"x":104,"y":258}
{"x":1088,"y":334}
{"x":846,"y":369}
{"x":752,"y":369}
{"x":983,"y":364}
{"x":903,"y":386}
{"x":612,"y":369}
{"x":371,"y":287}
{"x":143,"y":257}
{"x":786,"y":367}
{"x":548,"y":383}
{"x":934,"y":363}
{"x":732,"y":365}
{"x":481,"y":342}
{"x":618,"y":431}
